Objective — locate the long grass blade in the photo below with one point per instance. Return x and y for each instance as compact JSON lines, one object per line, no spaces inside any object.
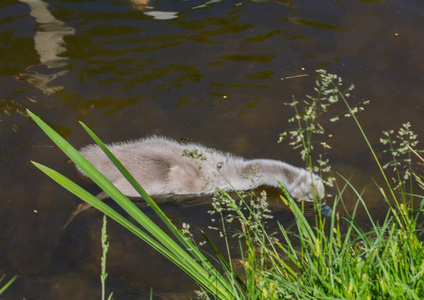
{"x":203,"y":276}
{"x":8,"y":284}
{"x":104,"y":208}
{"x":130,"y":205}
{"x":223,"y":260}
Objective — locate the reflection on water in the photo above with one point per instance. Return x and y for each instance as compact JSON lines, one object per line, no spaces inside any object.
{"x":49,"y":44}
{"x":162,"y":15}
{"x":318,"y":25}
{"x":165,"y":15}
{"x":288,"y":3}
{"x":151,"y":11}
{"x":41,"y":81}
{"x":140,"y":4}
{"x":216,"y":73}
{"x":206,"y":4}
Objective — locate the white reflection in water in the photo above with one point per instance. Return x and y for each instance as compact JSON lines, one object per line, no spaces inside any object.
{"x":206,"y":4}
{"x":162,"y":15}
{"x":49,"y":44}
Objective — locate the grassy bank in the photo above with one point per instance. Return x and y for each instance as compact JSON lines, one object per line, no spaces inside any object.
{"x":326,"y":258}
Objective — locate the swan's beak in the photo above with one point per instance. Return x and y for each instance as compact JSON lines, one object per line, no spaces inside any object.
{"x":325,"y":209}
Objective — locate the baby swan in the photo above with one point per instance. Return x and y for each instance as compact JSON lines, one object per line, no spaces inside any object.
{"x":166,"y":167}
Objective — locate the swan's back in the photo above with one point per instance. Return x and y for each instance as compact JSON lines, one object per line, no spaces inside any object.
{"x":159,"y":165}
{"x":136,"y":156}
{"x":163,"y":166}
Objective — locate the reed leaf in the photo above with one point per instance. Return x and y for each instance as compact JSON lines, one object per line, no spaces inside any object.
{"x":198,"y":267}
{"x":7,"y":284}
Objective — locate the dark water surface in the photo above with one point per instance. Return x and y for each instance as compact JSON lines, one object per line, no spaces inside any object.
{"x":213,"y":72}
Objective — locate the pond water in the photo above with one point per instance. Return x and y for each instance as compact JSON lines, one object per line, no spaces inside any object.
{"x":217,"y":72}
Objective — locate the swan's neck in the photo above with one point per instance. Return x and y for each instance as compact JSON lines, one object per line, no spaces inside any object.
{"x":270,"y":172}
{"x":250,"y":174}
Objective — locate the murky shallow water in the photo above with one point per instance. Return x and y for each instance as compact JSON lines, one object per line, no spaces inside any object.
{"x":213,"y":72}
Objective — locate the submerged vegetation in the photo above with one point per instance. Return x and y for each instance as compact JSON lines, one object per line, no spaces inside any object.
{"x":323,"y":258}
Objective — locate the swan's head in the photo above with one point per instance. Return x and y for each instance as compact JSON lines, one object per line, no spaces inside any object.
{"x":306,"y":186}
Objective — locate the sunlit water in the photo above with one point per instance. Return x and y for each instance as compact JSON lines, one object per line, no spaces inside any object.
{"x":216,"y":72}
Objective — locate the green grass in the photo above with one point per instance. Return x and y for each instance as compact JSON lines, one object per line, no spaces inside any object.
{"x":322,"y":258}
{"x":386,"y":262}
{"x":182,"y":252}
{"x":7,"y":284}
{"x":105,"y":248}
